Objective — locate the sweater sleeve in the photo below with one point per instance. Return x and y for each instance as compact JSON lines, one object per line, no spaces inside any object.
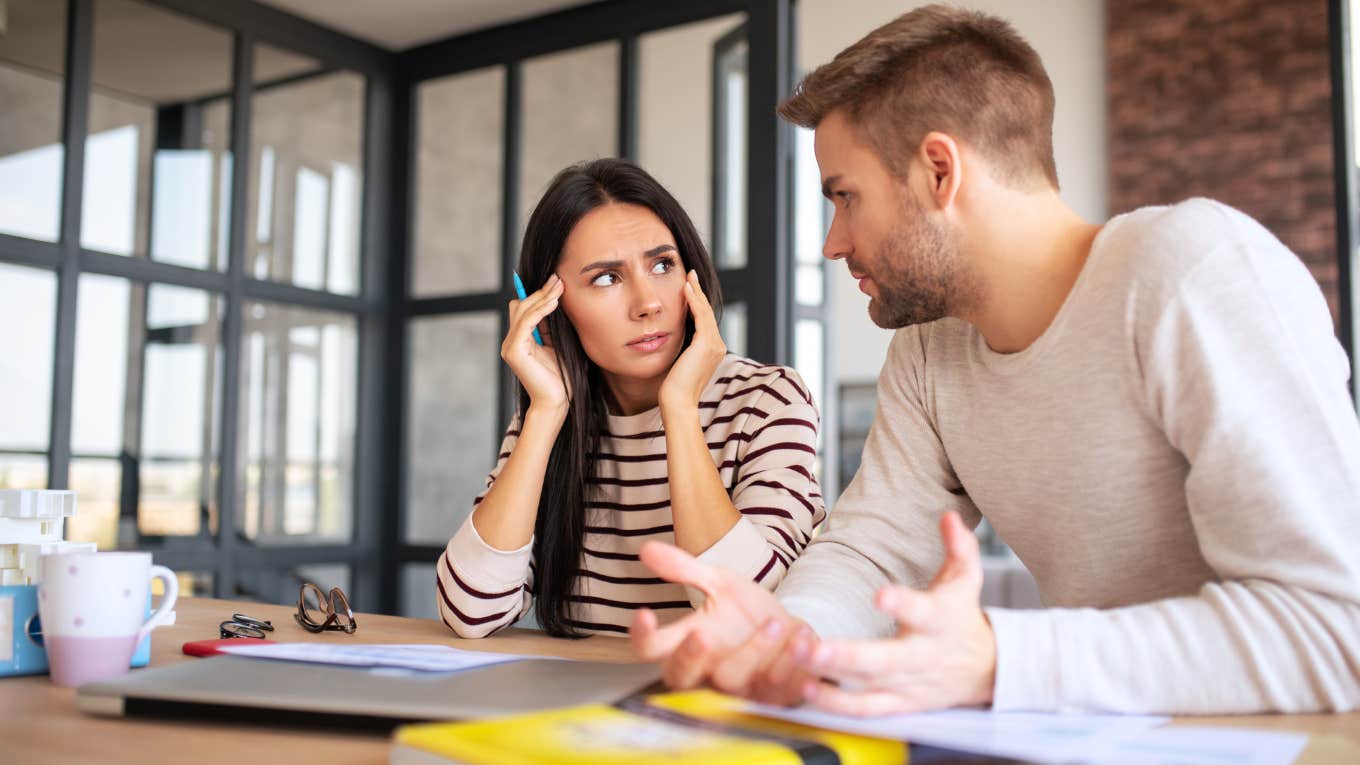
{"x":482,"y":589}
{"x":884,"y":529}
{"x":776,"y":489}
{"x":1241,"y":370}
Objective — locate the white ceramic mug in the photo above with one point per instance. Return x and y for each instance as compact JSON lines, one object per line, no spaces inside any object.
{"x":93,"y":609}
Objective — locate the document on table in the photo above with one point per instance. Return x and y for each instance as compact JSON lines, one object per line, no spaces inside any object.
{"x":1194,"y":745}
{"x":1063,"y":738}
{"x":425,"y":658}
{"x":1023,"y":735}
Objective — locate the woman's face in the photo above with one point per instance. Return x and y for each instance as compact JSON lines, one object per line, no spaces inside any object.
{"x":623,"y":290}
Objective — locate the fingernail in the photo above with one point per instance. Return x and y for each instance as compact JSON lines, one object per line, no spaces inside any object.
{"x":773,"y":629}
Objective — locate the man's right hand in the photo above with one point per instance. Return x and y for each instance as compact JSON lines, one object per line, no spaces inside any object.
{"x":740,"y":641}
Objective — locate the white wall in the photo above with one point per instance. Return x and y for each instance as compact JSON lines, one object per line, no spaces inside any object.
{"x":1070,"y":37}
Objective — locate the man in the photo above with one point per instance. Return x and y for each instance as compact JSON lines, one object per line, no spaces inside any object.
{"x":1152,"y":413}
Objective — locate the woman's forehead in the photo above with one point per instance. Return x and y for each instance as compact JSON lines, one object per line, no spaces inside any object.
{"x":616,"y":231}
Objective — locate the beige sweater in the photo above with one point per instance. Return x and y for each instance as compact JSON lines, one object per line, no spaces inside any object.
{"x":1176,"y":460}
{"x":761,"y":426}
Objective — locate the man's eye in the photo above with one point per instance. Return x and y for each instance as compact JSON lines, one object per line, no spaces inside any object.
{"x":605,"y":280}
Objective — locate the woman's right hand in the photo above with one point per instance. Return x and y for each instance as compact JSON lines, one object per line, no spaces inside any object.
{"x":536,"y":365}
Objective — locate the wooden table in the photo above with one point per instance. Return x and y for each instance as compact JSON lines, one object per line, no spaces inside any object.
{"x":39,"y":722}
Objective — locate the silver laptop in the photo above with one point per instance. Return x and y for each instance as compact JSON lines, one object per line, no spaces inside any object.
{"x":231,"y":688}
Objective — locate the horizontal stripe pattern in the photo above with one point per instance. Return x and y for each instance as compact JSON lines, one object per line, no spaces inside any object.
{"x":761,"y":429}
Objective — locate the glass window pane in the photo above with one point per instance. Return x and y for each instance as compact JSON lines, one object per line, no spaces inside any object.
{"x":417,"y":591}
{"x":157,"y":174}
{"x":570,"y":113}
{"x":675,"y":112}
{"x":305,"y":191}
{"x":810,"y":213}
{"x":297,"y":424}
{"x":807,"y":354}
{"x":21,"y":471}
{"x":732,"y":325}
{"x":459,"y":163}
{"x":451,"y":423}
{"x":147,"y":387}
{"x":730,"y":167}
{"x":32,"y":63}
{"x":28,"y":299}
{"x":808,"y":284}
{"x":98,"y":484}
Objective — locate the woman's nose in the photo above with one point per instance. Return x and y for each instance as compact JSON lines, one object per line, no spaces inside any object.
{"x":646,"y":301}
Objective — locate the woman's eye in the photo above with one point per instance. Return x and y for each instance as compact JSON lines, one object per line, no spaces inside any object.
{"x":663,"y":265}
{"x":605,"y":280}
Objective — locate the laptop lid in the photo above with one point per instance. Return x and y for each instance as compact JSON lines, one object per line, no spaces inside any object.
{"x":231,"y":688}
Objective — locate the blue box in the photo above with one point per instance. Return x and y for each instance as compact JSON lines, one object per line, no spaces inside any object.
{"x":21,"y":648}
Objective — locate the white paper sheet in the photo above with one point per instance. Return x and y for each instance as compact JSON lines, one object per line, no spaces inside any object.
{"x":1194,"y":745}
{"x":1060,"y":738}
{"x":1048,"y":738}
{"x":426,"y":658}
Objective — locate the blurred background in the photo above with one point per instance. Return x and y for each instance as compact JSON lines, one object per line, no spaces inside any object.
{"x":286,"y":366}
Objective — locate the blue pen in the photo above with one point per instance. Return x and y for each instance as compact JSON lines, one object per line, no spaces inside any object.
{"x":519,"y":291}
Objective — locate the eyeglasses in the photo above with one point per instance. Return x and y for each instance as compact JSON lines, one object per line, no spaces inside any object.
{"x":242,"y":626}
{"x":318,"y":612}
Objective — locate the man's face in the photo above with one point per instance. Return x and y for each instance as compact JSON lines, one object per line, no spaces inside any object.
{"x":905,"y":259}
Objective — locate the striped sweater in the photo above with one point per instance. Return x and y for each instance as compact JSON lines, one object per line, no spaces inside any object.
{"x":761,"y":426}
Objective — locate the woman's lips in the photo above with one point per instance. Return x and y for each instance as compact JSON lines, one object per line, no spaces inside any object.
{"x":649,"y":343}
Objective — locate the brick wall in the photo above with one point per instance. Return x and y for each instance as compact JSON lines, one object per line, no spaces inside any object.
{"x":1229,"y":99}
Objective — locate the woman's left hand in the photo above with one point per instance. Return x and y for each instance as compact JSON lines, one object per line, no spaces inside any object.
{"x":695,"y":366}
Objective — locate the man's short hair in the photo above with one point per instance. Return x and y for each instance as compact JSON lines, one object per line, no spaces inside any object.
{"x":960,"y":72}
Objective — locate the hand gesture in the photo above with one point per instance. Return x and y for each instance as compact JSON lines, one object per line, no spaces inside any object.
{"x":536,"y":366}
{"x":718,"y":643}
{"x":692,"y":370}
{"x":944,"y":653}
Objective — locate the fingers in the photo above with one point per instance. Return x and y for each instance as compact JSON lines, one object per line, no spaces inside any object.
{"x":525,"y":315}
{"x":675,"y":565}
{"x":781,"y":681}
{"x":699,"y":307}
{"x":911,"y":609}
{"x":829,"y":698}
{"x":690,"y":664}
{"x":866,"y":662}
{"x":653,"y":643}
{"x":735,"y":672}
{"x":963,"y":559}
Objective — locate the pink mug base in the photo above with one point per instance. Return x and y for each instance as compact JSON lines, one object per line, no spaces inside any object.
{"x":79,"y":660}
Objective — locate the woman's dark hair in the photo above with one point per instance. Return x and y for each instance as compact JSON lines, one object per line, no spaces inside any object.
{"x":559,"y":531}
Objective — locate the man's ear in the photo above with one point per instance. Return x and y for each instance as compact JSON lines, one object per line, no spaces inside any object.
{"x":941,"y":159}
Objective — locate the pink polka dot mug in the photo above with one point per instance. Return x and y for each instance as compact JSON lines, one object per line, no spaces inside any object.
{"x":93,"y":608}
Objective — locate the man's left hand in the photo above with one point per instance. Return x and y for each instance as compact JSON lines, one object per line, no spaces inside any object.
{"x":944,"y":653}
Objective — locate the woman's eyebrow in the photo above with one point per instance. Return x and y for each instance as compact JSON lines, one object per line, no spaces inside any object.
{"x":604,"y":265}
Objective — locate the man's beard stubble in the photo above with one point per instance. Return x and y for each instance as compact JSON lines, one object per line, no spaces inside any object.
{"x":919,"y":274}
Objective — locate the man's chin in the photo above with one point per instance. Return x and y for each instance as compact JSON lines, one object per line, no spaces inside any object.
{"x":881,"y":316}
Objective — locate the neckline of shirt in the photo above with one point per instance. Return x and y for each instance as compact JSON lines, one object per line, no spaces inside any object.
{"x":1013,"y":363}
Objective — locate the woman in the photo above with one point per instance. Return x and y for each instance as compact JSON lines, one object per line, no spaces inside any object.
{"x":633,"y":424}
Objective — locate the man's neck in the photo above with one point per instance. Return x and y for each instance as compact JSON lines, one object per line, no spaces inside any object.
{"x":1029,"y":255}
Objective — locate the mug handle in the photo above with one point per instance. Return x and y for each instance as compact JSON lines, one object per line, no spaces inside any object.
{"x":167,"y":602}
